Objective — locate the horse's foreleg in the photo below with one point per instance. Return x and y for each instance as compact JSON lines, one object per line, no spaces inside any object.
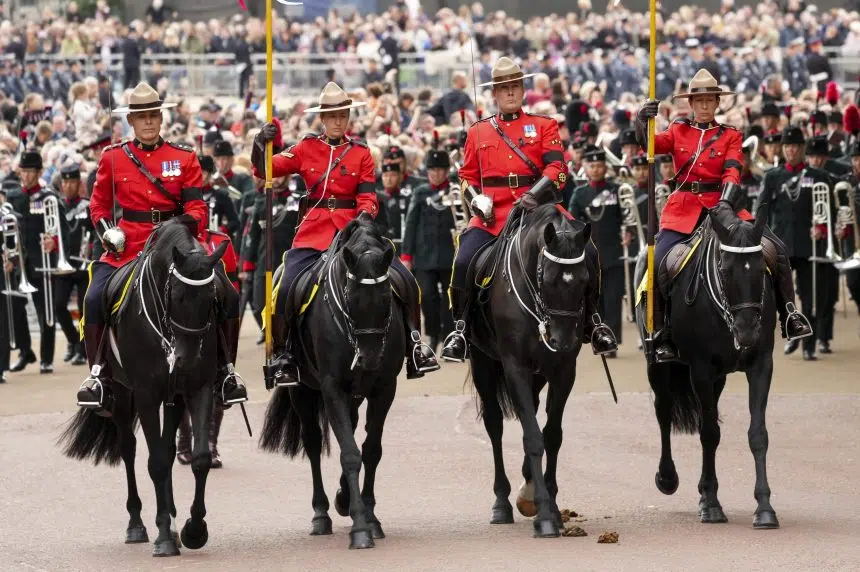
{"x":123,"y":416}
{"x":371,"y":452}
{"x":660,"y":377}
{"x":538,"y":382}
{"x":177,"y":411}
{"x":758,"y":377}
{"x":710,"y":509}
{"x":519,"y":383}
{"x":559,"y":391}
{"x":166,"y":544}
{"x":305,"y":402}
{"x":338,"y":404}
{"x":195,"y":532}
{"x":341,"y":498}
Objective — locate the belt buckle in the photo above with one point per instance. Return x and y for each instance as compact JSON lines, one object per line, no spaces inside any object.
{"x":513,"y":181}
{"x":155,"y":216}
{"x":331,"y":202}
{"x":694,"y":188}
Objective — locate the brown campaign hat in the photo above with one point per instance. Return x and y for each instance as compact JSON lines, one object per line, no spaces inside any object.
{"x":506,"y":70}
{"x":703,"y":83}
{"x":334,"y":98}
{"x":143,"y":98}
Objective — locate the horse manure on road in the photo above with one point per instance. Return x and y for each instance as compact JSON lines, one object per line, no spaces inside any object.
{"x":567,"y":514}
{"x":608,"y":538}
{"x":573,"y":530}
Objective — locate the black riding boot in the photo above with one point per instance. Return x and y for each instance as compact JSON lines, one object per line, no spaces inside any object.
{"x":793,"y":324}
{"x":183,"y":443}
{"x":420,"y":358}
{"x":455,"y":346}
{"x":214,"y":431}
{"x":231,"y":390}
{"x":595,"y":331}
{"x":664,"y":348}
{"x":95,"y":392}
{"x":283,"y":371}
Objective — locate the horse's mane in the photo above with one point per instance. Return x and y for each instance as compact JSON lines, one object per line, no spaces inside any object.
{"x":729,"y":226}
{"x":176,"y":233}
{"x":363,"y":238}
{"x":549,"y":214}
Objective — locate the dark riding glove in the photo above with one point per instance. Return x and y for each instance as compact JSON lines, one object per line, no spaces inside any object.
{"x":364,"y":216}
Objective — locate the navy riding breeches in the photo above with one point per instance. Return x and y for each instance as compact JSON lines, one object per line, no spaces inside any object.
{"x":468,"y":244}
{"x":100,"y":273}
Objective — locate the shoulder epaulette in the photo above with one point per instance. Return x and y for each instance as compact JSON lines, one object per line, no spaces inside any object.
{"x":359,"y":142}
{"x":117,"y":145}
{"x":727,"y":126}
{"x":310,"y":136}
{"x":181,"y":146}
{"x":682,"y":120}
{"x":538,"y":115}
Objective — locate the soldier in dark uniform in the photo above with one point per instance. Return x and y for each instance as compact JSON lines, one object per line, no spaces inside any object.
{"x":849,"y":244}
{"x":393,"y":199}
{"x":80,"y":232}
{"x":222,"y":211}
{"x":788,"y":191}
{"x":773,"y":148}
{"x":428,"y":244}
{"x":29,"y":201}
{"x":750,"y":183}
{"x":665,"y":167}
{"x":236,"y":184}
{"x":639,"y":171}
{"x":818,"y":157}
{"x":597,"y":203}
{"x":6,"y":300}
{"x":769,"y":118}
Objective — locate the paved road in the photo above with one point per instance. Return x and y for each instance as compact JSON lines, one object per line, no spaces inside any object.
{"x":434,"y":484}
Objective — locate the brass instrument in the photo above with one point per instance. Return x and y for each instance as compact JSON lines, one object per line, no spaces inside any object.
{"x":213,"y":216}
{"x":821,"y":214}
{"x":661,"y":197}
{"x":758,"y":164}
{"x":452,"y":199}
{"x":234,"y":193}
{"x":75,"y":217}
{"x":622,"y":170}
{"x":12,"y":251}
{"x":84,"y":251}
{"x":630,"y":218}
{"x":846,"y":215}
{"x":51,"y":217}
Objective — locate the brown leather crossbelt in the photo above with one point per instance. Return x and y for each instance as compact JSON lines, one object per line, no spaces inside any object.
{"x":330,"y":203}
{"x":153,"y":216}
{"x":699,"y":187}
{"x":511,"y":181}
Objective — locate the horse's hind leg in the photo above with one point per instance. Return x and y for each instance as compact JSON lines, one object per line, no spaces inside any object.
{"x":708,"y":389}
{"x":195,"y":533}
{"x":371,"y":451}
{"x":338,"y":405}
{"x":660,"y":376}
{"x":758,"y":377}
{"x":526,"y":495}
{"x":123,"y":416}
{"x":486,"y":373}
{"x":305,"y":403}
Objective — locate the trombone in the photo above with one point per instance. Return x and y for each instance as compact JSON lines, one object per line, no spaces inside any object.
{"x":234,"y":193}
{"x":51,"y":217}
{"x":843,"y":194}
{"x":661,"y":197}
{"x":821,"y":215}
{"x":630,"y":214}
{"x":12,"y":250}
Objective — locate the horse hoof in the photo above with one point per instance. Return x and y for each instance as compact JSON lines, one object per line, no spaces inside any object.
{"x":713,"y":515}
{"x":341,"y":502}
{"x":194,"y":535}
{"x":359,"y":539}
{"x":376,"y":531}
{"x":166,"y":548}
{"x":321,"y":526}
{"x":526,"y":500}
{"x":546,"y":529}
{"x":667,"y":486}
{"x":136,"y":534}
{"x":765,"y":520}
{"x":503,"y":513}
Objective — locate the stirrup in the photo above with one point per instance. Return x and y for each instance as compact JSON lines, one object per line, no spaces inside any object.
{"x":458,"y":333}
{"x":96,"y":383}
{"x":278,"y":377}
{"x":600,"y":327}
{"x":232,"y":374}
{"x":793,"y":311}
{"x":418,"y":350}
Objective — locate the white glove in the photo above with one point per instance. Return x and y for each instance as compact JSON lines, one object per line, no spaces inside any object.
{"x":483,"y":207}
{"x":114,"y":239}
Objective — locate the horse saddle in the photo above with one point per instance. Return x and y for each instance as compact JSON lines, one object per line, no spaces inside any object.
{"x":484,"y":263}
{"x":118,"y":290}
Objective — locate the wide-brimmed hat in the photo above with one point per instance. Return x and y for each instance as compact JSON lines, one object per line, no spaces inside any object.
{"x":334,"y":98}
{"x":505,"y":70}
{"x":703,"y":83}
{"x":143,"y":98}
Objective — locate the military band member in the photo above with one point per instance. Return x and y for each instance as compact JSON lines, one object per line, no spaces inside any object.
{"x":339,"y":172}
{"x":597,"y":203}
{"x":708,"y":160}
{"x":769,"y":118}
{"x":30,"y":202}
{"x":80,"y":237}
{"x":393,"y":198}
{"x":665,"y":167}
{"x":628,"y":144}
{"x":788,"y":191}
{"x":241,"y":184}
{"x":222,"y":210}
{"x":772,"y":150}
{"x":510,"y":157}
{"x":6,"y":340}
{"x":428,"y":244}
{"x":818,"y":157}
{"x":121,"y":179}
{"x":849,"y":245}
{"x":750,"y":182}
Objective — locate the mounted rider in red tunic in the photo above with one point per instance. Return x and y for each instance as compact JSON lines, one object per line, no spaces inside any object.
{"x":708,"y":159}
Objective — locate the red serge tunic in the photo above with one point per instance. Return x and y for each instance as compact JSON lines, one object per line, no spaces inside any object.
{"x":719,"y":162}
{"x":487,"y":156}
{"x":352,"y":178}
{"x":177,"y":168}
{"x":230,"y":260}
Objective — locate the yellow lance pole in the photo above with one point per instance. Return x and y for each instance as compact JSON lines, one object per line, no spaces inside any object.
{"x":652,"y":175}
{"x":267,"y":311}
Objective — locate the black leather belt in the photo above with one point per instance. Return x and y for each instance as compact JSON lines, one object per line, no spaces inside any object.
{"x":330,"y":203}
{"x":511,"y":181}
{"x":153,"y":216}
{"x":699,"y":187}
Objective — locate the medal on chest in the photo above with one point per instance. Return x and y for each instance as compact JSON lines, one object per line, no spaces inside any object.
{"x":170,"y":168}
{"x":529,"y":130}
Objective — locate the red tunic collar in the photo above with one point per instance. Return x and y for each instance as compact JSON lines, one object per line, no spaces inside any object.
{"x":795,"y":168}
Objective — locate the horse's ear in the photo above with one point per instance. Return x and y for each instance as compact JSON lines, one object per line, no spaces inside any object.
{"x":349,"y":257}
{"x":586,"y":233}
{"x":218,"y":253}
{"x":761,"y":220}
{"x":388,"y":255}
{"x":548,"y":234}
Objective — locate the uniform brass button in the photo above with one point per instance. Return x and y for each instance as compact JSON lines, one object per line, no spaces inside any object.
{"x":148,"y":155}
{"x":510,"y":156}
{"x":124,"y":179}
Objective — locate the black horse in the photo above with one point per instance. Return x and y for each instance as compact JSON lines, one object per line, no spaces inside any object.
{"x":722,"y":312}
{"x":526,"y":332}
{"x":352,"y":341}
{"x":163,"y":352}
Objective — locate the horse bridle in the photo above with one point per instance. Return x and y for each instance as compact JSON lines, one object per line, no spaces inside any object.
{"x":352,"y":333}
{"x":728,"y":311}
{"x":542,"y":311}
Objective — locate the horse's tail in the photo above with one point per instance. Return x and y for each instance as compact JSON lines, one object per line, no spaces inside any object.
{"x":91,"y":436}
{"x":673,"y":390}
{"x":282,"y":426}
{"x":499,"y":388}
